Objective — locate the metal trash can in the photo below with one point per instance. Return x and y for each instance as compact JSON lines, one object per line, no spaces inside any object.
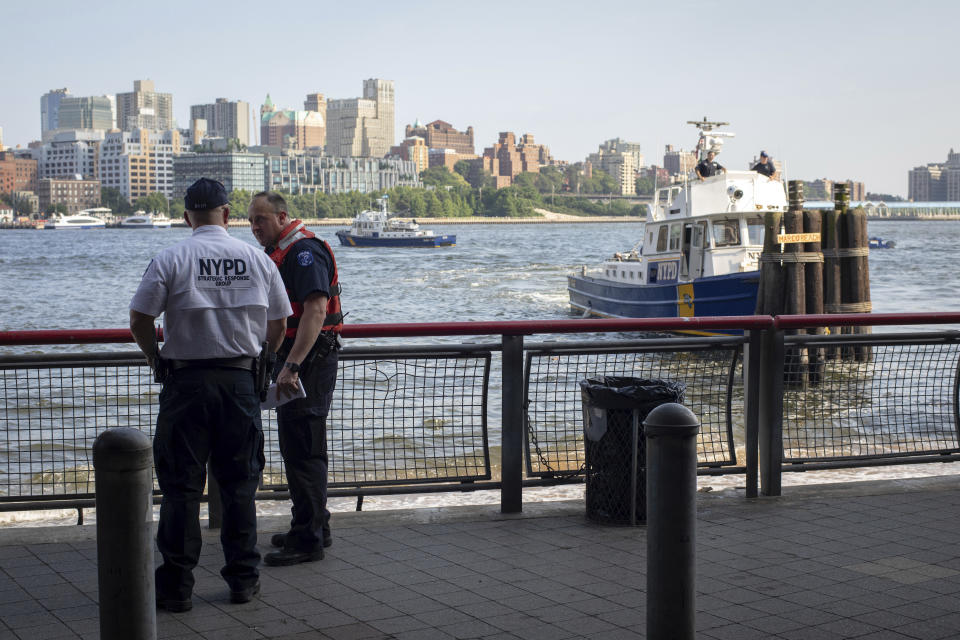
{"x":614,"y":409}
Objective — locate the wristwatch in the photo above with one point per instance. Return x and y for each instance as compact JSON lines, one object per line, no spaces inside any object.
{"x":293,"y":366}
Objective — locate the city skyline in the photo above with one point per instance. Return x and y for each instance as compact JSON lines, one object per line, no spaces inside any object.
{"x":832,"y":91}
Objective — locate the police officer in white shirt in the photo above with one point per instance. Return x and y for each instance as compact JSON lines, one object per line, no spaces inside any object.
{"x":221,"y":298}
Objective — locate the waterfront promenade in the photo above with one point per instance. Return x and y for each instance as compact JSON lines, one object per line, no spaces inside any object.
{"x":873,"y":560}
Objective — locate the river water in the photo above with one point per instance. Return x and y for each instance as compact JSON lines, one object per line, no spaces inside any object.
{"x":84,"y":279}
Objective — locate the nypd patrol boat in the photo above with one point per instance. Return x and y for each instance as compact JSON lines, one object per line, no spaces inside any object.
{"x":378,"y":229}
{"x":699,"y":253}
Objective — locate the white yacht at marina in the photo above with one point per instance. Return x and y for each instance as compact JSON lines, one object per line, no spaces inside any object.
{"x":143,"y":220}
{"x":86,"y":219}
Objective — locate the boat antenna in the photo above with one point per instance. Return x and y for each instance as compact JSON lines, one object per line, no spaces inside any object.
{"x":709,"y":140}
{"x":706,"y":125}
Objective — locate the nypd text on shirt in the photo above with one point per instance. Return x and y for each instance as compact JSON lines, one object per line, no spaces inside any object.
{"x":222,"y":272}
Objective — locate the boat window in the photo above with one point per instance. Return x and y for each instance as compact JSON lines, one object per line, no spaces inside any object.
{"x":662,"y":238}
{"x":755,"y":230}
{"x":675,"y":230}
{"x":726,"y":233}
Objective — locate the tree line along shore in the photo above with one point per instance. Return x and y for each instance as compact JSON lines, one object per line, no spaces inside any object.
{"x":445,"y":195}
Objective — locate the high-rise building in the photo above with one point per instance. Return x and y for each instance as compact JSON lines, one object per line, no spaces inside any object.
{"x":678,"y":162}
{"x":362,"y":127}
{"x":225,"y":119}
{"x":141,"y":162}
{"x":616,"y":146}
{"x":91,"y":112}
{"x":441,"y":135}
{"x":621,"y":160}
{"x":316,"y":102}
{"x":237,"y":171}
{"x":50,"y":111}
{"x":925,"y":185}
{"x":144,"y":108}
{"x":70,"y":153}
{"x":291,"y":129}
{"x":936,"y":182}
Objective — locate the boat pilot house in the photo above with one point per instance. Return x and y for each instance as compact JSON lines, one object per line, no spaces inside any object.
{"x":686,"y":239}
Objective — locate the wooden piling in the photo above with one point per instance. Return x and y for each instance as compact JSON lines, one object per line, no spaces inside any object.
{"x":830,"y":245}
{"x":841,"y":199}
{"x":794,"y":280}
{"x":770,"y":295}
{"x":858,"y":273}
{"x":812,"y":223}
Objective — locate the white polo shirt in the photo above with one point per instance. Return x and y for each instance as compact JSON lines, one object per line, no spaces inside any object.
{"x":216,"y":294}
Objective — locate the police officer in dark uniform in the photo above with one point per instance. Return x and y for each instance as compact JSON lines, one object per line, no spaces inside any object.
{"x":221,"y":299}
{"x":708,"y":167}
{"x":765,"y":165}
{"x":309,"y":354}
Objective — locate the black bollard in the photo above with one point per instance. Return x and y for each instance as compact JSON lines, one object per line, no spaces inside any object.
{"x":122,"y":460}
{"x":671,"y":431}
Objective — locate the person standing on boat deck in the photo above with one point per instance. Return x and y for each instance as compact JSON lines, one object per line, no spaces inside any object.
{"x":309,"y":355}
{"x":220,"y":299}
{"x":708,"y":167}
{"x":765,"y":165}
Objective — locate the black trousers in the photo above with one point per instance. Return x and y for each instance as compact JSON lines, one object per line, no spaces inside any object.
{"x":302,"y":431}
{"x":207,"y":413}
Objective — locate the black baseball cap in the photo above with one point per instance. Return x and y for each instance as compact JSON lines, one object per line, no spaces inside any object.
{"x":763,"y":154}
{"x":205,"y":194}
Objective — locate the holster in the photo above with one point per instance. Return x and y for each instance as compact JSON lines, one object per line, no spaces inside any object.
{"x":326,"y":342}
{"x":264,"y":368}
{"x":161,"y":369}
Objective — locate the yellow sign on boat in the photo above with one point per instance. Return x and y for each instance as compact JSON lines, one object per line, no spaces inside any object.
{"x":685,"y":300}
{"x":793,"y":238}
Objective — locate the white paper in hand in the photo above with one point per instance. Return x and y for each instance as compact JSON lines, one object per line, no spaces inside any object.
{"x":274,"y":399}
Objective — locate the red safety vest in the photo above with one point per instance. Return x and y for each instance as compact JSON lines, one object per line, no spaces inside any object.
{"x":288,"y":237}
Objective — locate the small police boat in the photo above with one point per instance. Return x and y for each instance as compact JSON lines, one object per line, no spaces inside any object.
{"x":379,"y":229}
{"x":880,"y":243}
{"x":699,"y":253}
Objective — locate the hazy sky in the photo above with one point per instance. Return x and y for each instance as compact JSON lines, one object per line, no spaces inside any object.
{"x":836,"y":89}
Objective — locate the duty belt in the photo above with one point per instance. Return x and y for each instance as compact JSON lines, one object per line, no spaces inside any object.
{"x":240,"y":362}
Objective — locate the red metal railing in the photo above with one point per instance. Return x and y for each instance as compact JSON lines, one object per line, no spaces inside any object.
{"x":532,"y":327}
{"x":927,"y":366}
{"x":864,"y":319}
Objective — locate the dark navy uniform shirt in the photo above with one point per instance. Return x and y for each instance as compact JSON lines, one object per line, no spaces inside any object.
{"x":766,"y":168}
{"x":307,"y":268}
{"x":706,"y":169}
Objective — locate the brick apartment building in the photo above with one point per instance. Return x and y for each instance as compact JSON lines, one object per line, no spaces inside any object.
{"x":441,"y":135}
{"x":506,"y":159}
{"x":74,"y":194}
{"x":413,"y":148}
{"x":18,"y":172}
{"x":290,"y":129}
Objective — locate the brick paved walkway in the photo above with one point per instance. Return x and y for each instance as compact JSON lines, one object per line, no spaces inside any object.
{"x":872,"y":560}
